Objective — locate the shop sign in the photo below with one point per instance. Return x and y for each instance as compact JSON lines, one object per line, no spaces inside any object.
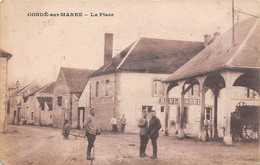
{"x":177,"y":101}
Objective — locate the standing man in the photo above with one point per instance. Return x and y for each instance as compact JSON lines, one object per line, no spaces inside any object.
{"x":66,"y":129}
{"x":153,"y":132}
{"x":91,"y":131}
{"x":123,"y":123}
{"x":143,"y":124}
{"x":113,"y":122}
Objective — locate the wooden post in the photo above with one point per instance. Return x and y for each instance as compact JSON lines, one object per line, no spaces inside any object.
{"x":202,"y":135}
{"x":227,"y":137}
{"x":181,"y":124}
{"x":166,"y":111}
{"x":216,"y":92}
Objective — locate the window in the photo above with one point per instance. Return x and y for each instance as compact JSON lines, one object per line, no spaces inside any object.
{"x":208,"y":114}
{"x":59,"y":100}
{"x":185,"y":115}
{"x":107,"y":88}
{"x":147,"y":108}
{"x":97,"y":88}
{"x":157,"y":88}
{"x":250,"y":93}
{"x":32,"y":116}
{"x":162,"y":108}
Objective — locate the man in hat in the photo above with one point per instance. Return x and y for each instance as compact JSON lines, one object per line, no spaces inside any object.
{"x":153,"y":132}
{"x":143,"y":124}
{"x":91,"y":131}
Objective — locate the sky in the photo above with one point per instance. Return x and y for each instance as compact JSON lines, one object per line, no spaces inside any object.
{"x":41,"y":45}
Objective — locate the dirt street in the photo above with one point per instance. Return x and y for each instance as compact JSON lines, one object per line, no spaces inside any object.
{"x":42,"y":145}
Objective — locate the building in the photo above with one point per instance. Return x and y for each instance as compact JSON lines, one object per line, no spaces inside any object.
{"x":17,"y":112}
{"x":69,"y":86}
{"x":5,"y":56}
{"x":230,"y":70}
{"x":39,"y":106}
{"x":130,"y":82}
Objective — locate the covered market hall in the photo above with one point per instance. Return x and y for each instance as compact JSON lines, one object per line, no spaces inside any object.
{"x":229,"y":69}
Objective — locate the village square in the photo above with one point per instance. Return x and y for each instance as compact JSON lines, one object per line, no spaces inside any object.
{"x":195,"y":102}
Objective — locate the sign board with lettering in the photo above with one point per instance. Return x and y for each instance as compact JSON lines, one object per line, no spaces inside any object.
{"x":178,"y":100}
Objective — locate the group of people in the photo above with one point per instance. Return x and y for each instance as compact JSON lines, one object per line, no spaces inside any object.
{"x":148,"y":130}
{"x":114,"y":123}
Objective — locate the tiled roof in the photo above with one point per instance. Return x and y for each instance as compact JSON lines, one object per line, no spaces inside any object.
{"x":221,"y":54}
{"x":49,"y":88}
{"x":149,"y":55}
{"x":76,"y":78}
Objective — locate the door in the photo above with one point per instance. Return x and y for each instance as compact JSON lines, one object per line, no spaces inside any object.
{"x":14,"y":116}
{"x":81,"y":117}
{"x":18,"y":115}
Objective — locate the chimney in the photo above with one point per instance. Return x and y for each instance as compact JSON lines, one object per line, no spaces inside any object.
{"x":207,"y":38}
{"x":108,"y":50}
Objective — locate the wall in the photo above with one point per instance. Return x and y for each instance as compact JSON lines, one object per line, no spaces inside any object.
{"x":3,"y":90}
{"x":30,"y":107}
{"x":135,"y":91}
{"x":104,"y":105}
{"x":74,"y":112}
{"x":61,"y":89}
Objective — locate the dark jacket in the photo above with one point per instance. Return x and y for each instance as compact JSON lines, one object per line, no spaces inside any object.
{"x":154,"y":127}
{"x":143,"y":124}
{"x":66,"y":128}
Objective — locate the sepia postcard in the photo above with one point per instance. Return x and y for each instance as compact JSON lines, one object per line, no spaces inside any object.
{"x":128,"y":82}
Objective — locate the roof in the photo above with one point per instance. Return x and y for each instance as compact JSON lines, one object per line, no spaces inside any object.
{"x":222,"y":54}
{"x":75,"y":78}
{"x":150,"y":55}
{"x":47,"y":100}
{"x":5,"y":54}
{"x":49,"y":88}
{"x":20,"y":90}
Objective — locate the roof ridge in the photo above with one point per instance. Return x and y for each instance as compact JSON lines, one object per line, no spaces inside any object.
{"x":77,"y":68}
{"x":24,"y":88}
{"x":170,"y":39}
{"x":121,"y":63}
{"x":242,"y":44}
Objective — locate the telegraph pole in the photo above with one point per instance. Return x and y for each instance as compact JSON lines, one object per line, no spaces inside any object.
{"x":233,"y":27}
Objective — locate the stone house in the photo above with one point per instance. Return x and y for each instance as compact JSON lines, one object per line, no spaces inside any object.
{"x":130,"y":83}
{"x":69,"y":86}
{"x":39,"y":106}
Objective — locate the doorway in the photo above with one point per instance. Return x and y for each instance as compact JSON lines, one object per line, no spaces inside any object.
{"x":81,"y":117}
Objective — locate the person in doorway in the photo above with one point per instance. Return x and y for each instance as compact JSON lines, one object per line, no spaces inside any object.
{"x":91,"y":132}
{"x":153,"y":132}
{"x":206,"y":126}
{"x":143,"y":124}
{"x":211,"y":129}
{"x":66,"y":129}
{"x":123,"y":123}
{"x":114,"y":122}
